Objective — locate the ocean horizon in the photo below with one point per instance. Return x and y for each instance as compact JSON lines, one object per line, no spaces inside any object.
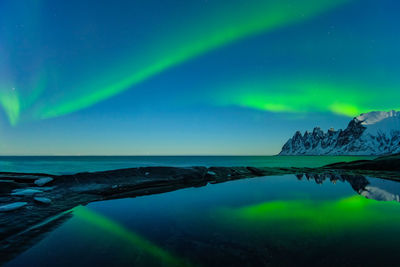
{"x":75,"y":164}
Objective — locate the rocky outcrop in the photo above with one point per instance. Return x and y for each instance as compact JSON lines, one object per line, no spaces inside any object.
{"x":385,"y":163}
{"x":374,"y":133}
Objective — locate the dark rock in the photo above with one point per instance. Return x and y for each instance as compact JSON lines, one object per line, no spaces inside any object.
{"x":385,"y":163}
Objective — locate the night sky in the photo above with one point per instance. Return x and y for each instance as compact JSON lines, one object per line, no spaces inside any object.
{"x":199,"y":77}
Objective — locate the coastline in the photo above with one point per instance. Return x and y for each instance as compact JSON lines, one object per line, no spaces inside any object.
{"x":45,"y":200}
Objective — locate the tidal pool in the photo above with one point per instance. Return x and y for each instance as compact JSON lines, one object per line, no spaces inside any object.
{"x":303,"y":220}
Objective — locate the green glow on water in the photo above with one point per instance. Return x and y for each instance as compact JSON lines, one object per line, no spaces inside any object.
{"x":309,"y":217}
{"x":118,"y":230}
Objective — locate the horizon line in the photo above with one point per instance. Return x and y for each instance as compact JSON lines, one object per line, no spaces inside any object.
{"x":142,"y":155}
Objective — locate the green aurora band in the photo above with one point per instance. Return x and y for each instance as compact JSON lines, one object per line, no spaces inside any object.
{"x":14,"y":99}
{"x":11,"y":104}
{"x":304,"y":96}
{"x":217,"y":27}
{"x":223,"y":29}
{"x":10,"y":100}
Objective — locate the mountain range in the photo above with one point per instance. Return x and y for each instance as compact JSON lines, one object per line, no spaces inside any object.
{"x":372,"y":133}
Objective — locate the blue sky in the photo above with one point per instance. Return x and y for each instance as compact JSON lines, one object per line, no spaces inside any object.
{"x":189,"y":77}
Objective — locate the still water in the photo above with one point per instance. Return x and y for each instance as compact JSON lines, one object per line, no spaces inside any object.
{"x":304,"y":220}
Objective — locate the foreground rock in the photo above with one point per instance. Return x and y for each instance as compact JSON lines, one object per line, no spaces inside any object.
{"x":386,"y":163}
{"x":43,"y":181}
{"x":43,"y":200}
{"x":12,"y":206}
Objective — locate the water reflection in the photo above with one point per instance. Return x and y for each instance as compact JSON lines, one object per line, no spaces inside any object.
{"x":308,"y":217}
{"x":257,"y":221}
{"x":17,"y":244}
{"x":134,"y":239}
{"x":369,"y":187}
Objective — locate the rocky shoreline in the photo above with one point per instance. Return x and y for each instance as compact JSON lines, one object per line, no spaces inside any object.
{"x":31,"y":204}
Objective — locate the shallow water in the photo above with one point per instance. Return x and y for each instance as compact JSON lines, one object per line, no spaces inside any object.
{"x":292,"y":220}
{"x":69,"y":164}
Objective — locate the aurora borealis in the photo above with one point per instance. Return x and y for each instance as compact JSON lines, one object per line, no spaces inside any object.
{"x":189,"y":70}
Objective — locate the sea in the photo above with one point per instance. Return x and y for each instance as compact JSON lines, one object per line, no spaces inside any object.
{"x":75,"y":164}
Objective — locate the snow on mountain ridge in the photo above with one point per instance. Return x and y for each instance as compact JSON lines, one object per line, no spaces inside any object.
{"x":376,"y":116}
{"x":373,"y":133}
{"x":380,"y":122}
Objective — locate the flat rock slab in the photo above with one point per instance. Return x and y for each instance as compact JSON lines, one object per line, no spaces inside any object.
{"x":12,"y":206}
{"x":43,"y":200}
{"x":43,"y":181}
{"x":25,"y":192}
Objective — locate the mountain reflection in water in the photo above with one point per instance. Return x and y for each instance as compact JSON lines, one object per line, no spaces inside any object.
{"x":369,"y":187}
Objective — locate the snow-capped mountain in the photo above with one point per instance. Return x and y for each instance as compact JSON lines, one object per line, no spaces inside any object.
{"x":373,"y":133}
